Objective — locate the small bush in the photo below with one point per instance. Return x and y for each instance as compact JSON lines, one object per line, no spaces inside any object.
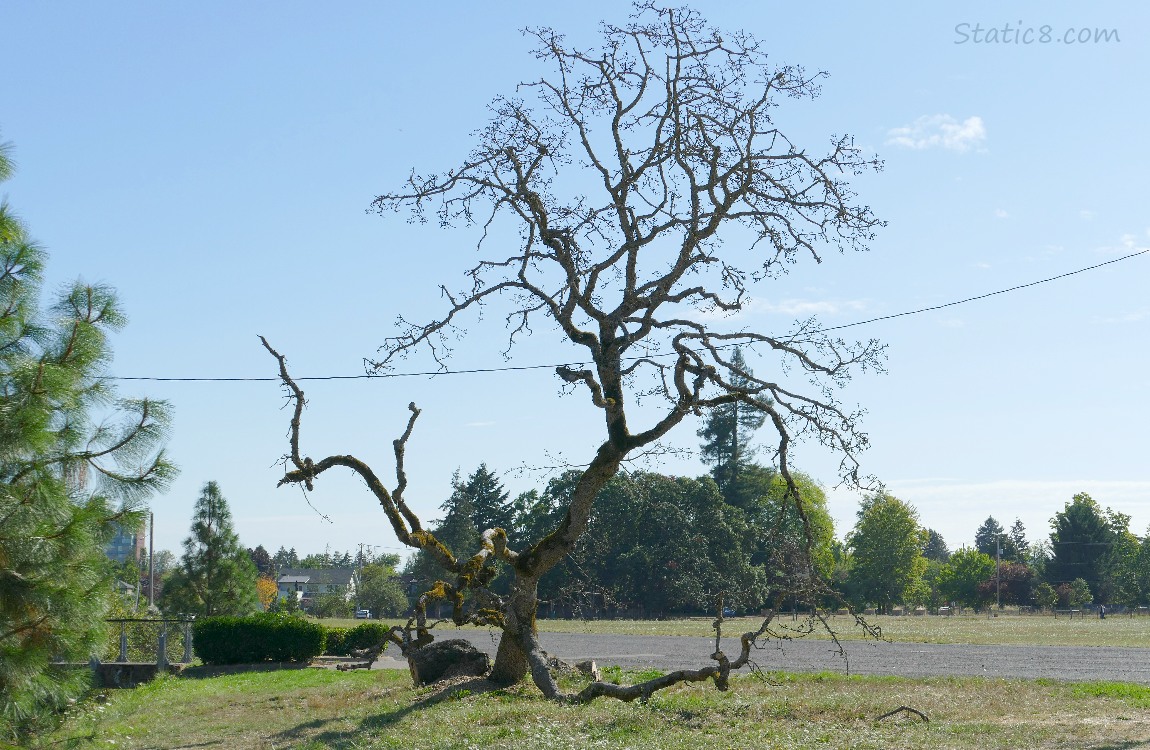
{"x":336,"y":642}
{"x":261,"y":637}
{"x":366,"y":635}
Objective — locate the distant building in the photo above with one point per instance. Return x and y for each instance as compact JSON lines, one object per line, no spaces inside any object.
{"x":307,"y":583}
{"x":126,"y":545}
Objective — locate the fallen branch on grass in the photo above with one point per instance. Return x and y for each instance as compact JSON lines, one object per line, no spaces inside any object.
{"x":908,"y":709}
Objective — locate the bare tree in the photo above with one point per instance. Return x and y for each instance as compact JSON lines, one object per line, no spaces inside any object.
{"x":651,"y":189}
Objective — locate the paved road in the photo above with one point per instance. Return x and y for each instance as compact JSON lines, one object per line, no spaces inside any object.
{"x":901,"y":659}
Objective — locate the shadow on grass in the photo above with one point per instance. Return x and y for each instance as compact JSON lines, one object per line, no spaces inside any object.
{"x":217,"y":670}
{"x":347,"y":738}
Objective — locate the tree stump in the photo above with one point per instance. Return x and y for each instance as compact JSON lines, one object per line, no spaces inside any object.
{"x":445,"y":659}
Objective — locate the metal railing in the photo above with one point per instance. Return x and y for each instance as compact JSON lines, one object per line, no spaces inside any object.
{"x":144,"y":640}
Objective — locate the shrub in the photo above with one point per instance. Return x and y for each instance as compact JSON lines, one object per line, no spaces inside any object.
{"x":336,"y":643}
{"x":366,"y":635}
{"x":342,"y":641}
{"x":261,"y":637}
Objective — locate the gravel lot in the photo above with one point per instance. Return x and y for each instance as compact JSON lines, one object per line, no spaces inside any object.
{"x":874,"y":658}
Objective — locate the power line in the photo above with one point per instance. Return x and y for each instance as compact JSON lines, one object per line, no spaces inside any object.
{"x":988,"y":294}
{"x":519,"y":368}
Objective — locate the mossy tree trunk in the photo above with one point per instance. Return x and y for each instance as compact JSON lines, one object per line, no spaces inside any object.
{"x":673,"y":119}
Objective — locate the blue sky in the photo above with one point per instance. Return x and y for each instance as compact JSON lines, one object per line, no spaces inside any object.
{"x":213,"y":162}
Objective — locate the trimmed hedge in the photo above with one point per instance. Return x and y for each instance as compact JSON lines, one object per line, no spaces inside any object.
{"x":265,"y":636}
{"x":342,"y":641}
{"x":336,"y":642}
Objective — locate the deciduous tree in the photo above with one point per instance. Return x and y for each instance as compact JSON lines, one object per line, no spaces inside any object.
{"x":648,"y":185}
{"x":380,"y":591}
{"x":266,"y":590}
{"x":886,"y":550}
{"x":962,"y":577}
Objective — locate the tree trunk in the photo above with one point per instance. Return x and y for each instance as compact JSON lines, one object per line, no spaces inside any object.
{"x":511,"y":663}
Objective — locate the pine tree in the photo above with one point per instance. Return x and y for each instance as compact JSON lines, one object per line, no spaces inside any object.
{"x":457,"y":531}
{"x":1018,"y":539}
{"x":261,"y":559}
{"x":493,"y":509}
{"x":993,"y":541}
{"x":284,"y":558}
{"x":988,"y":537}
{"x":65,"y":479}
{"x":1081,"y":537}
{"x":935,"y":547}
{"x":216,"y":575}
{"x":727,"y":434}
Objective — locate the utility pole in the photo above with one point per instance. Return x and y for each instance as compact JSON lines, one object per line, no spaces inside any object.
{"x":152,"y":561}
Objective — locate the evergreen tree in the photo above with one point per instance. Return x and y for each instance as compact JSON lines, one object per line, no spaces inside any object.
{"x":935,"y":547}
{"x":284,"y":558}
{"x":65,"y":479}
{"x":726,"y":434}
{"x":457,"y":531}
{"x":1018,"y":540}
{"x":1081,"y":536}
{"x":988,"y":537}
{"x":216,"y":575}
{"x":493,"y":509}
{"x":261,"y":559}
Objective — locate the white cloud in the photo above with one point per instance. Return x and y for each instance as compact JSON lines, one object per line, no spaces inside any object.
{"x":1127,"y":243}
{"x":479,"y":424}
{"x":1001,"y":214}
{"x":939,"y":131}
{"x":1087,"y":215}
{"x":1134,"y":317}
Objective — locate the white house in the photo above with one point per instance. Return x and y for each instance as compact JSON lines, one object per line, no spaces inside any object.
{"x":307,"y":583}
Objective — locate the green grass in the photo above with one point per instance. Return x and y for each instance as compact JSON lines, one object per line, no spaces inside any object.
{"x":313,"y":708}
{"x":1007,"y":629}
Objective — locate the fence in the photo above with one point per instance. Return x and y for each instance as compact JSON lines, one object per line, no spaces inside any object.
{"x":151,"y":640}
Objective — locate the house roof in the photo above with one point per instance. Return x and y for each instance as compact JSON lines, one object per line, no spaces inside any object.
{"x":328,"y":576}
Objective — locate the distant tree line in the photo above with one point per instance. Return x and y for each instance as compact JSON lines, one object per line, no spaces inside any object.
{"x":669,"y":546}
{"x":1090,"y":558}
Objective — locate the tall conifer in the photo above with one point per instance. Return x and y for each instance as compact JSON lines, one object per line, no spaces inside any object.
{"x":74,"y":460}
{"x":216,"y":574}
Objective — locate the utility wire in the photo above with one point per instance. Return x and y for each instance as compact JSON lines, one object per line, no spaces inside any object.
{"x":984,"y":296}
{"x":516,"y":368}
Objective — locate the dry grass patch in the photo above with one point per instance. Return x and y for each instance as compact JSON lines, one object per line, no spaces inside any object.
{"x":379,"y":709}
